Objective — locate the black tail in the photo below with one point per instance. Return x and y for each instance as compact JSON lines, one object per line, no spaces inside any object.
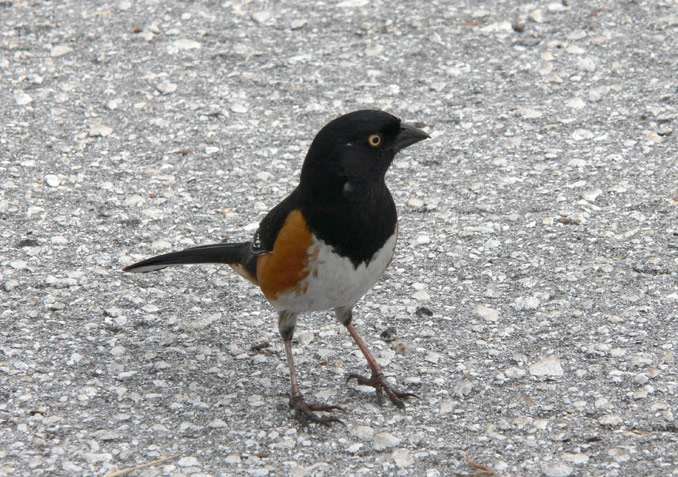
{"x":214,"y":253}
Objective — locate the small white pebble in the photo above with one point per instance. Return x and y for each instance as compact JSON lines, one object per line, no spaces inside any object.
{"x":217,"y":423}
{"x":188,"y":462}
{"x":21,"y":98}
{"x":60,"y":50}
{"x":446,"y":406}
{"x":527,"y":113}
{"x":118,"y":350}
{"x":486,"y":313}
{"x":547,"y":367}
{"x":100,"y":130}
{"x":432,"y":357}
{"x":239,"y":108}
{"x":306,"y":337}
{"x":362,"y":432}
{"x":557,"y":469}
{"x":11,"y":284}
{"x":576,"y":458}
{"x":185,"y":44}
{"x":384,"y":440}
{"x":52,"y":180}
{"x":610,"y":420}
{"x":421,"y":295}
{"x":166,"y":87}
{"x":422,"y":239}
{"x":402,"y":457}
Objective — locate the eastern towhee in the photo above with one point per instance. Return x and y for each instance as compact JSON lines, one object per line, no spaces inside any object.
{"x":328,"y":242}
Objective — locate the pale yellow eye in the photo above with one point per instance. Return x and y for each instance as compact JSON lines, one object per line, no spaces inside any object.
{"x":374,"y":140}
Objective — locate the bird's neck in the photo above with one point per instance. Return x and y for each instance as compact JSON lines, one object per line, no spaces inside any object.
{"x":356,"y":226}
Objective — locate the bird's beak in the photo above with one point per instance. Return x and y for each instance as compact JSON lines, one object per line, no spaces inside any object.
{"x":407,"y":136}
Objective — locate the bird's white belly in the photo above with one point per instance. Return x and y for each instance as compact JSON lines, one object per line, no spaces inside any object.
{"x":333,"y":281}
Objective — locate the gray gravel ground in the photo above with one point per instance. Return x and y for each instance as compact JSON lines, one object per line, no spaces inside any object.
{"x":534,"y":292}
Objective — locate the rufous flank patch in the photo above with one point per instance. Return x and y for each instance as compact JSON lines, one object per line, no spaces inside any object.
{"x":282,"y":270}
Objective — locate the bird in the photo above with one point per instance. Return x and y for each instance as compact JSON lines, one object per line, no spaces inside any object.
{"x":326,"y":244}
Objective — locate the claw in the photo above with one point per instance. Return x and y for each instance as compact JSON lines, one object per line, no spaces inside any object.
{"x":305,"y":413}
{"x":378,"y":382}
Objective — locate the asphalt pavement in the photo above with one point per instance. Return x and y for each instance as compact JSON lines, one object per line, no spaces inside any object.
{"x":532,"y":303}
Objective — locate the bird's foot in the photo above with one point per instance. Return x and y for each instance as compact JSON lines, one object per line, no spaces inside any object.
{"x":378,"y":382}
{"x":306,"y":413}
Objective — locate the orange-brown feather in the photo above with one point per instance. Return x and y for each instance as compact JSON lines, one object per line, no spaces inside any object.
{"x":287,"y":265}
{"x":242,"y":271}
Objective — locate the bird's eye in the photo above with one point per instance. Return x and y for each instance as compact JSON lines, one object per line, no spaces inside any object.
{"x":374,"y":140}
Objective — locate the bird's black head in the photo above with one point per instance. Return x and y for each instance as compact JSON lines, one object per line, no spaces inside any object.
{"x":352,"y":153}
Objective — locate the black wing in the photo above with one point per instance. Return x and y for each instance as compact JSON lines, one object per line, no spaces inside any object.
{"x":267,"y":233}
{"x":269,"y":227}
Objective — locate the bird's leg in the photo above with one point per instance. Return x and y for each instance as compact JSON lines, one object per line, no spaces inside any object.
{"x":377,"y":380}
{"x":303,"y":412}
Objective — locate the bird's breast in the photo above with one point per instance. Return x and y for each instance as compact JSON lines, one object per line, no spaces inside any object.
{"x":330,"y":280}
